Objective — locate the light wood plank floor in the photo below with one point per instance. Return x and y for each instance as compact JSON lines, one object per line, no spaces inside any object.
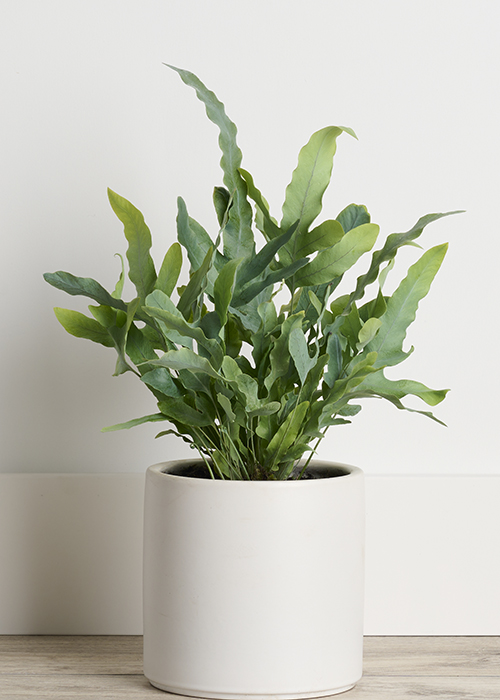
{"x":395,"y":668}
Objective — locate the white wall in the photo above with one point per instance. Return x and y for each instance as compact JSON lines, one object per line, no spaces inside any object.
{"x":87,"y":104}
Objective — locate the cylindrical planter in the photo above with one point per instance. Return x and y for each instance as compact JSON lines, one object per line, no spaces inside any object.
{"x":253,"y":589}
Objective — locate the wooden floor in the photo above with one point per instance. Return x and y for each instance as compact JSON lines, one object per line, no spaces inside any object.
{"x":395,"y":668}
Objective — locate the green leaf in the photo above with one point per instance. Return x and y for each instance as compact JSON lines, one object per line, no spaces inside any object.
{"x":232,"y":337}
{"x":140,"y":348}
{"x":158,"y":299}
{"x":195,"y":287}
{"x":105,"y":315}
{"x":154,"y":418}
{"x":83,"y":286}
{"x":265,"y":409}
{"x":238,"y":239}
{"x":279,"y":357}
{"x":161,"y":380}
{"x":396,"y":402}
{"x":82,"y":326}
{"x":342,"y":387}
{"x":379,"y":384}
{"x":334,"y":351}
{"x":194,"y":238}
{"x":184,"y":358}
{"x":299,"y":351}
{"x":402,"y":306}
{"x":141,"y":267}
{"x":223,"y":289}
{"x":230,"y":368}
{"x":333,"y":262}
{"x":210,"y":324}
{"x":287,"y":434}
{"x":326,"y":235}
{"x":374,"y":308}
{"x":353,"y":216}
{"x":351,"y":327}
{"x":173,"y":320}
{"x":269,"y":227}
{"x":222,"y":202}
{"x":170,"y":270}
{"x":252,"y":268}
{"x":388,"y":252}
{"x":119,"y":333}
{"x":156,"y":304}
{"x":117,"y":294}
{"x":178,"y":411}
{"x":311,"y":177}
{"x":368,"y":332}
{"x":252,"y":290}
{"x":226,"y":405}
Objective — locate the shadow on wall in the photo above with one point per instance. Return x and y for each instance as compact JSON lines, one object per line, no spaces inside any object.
{"x":66,"y":566}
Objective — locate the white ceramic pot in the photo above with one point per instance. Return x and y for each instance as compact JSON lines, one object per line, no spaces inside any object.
{"x":253,"y":589}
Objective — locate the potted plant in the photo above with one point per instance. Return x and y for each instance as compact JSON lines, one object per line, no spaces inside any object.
{"x":253,"y":579}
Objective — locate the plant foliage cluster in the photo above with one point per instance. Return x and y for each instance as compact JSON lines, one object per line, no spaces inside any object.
{"x":250,"y":385}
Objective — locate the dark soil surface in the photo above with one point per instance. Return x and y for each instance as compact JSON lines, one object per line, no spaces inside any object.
{"x":198,"y":470}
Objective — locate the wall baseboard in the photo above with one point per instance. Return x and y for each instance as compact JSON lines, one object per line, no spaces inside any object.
{"x":71,"y":554}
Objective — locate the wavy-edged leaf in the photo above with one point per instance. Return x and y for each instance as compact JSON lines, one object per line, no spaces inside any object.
{"x":158,"y":300}
{"x":326,"y":235}
{"x":141,"y":266}
{"x":265,"y":409}
{"x":396,"y":402}
{"x":254,"y":267}
{"x":402,"y":306}
{"x":389,"y":250}
{"x":196,"y":286}
{"x":118,"y":291}
{"x":286,"y":435}
{"x":334,"y":351}
{"x":279,"y":358}
{"x":222,"y":202}
{"x":179,"y":411}
{"x":83,"y":286}
{"x":105,"y":315}
{"x":266,"y":224}
{"x":224,"y":288}
{"x":170,"y":269}
{"x":335,"y":261}
{"x":226,"y":405}
{"x":82,"y":326}
{"x":119,"y":333}
{"x":299,"y":352}
{"x":400,"y":388}
{"x":161,"y":380}
{"x":175,"y":322}
{"x":154,"y":418}
{"x":355,"y":375}
{"x":184,"y":358}
{"x":140,"y":347}
{"x":304,"y":194}
{"x":368,"y":332}
{"x":353,"y":216}
{"x":252,"y":290}
{"x":240,"y":241}
{"x":194,"y":238}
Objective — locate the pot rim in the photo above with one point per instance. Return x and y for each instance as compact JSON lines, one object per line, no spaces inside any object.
{"x":160,"y":470}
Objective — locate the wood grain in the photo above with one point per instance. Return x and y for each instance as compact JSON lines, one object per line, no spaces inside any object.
{"x":47,"y":655}
{"x":432,"y":656}
{"x":110,"y":667}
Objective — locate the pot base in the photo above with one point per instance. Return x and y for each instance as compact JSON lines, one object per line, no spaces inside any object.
{"x":250,"y":696}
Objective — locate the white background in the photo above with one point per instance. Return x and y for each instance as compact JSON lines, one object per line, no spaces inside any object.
{"x":87,"y":104}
